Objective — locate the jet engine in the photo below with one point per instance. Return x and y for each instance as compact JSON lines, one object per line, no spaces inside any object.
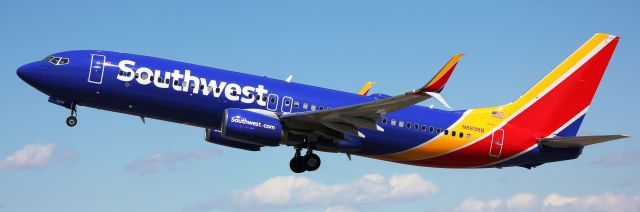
{"x":257,"y":127}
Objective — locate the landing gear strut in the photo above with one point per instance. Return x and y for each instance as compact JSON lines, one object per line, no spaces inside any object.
{"x":308,"y":162}
{"x":72,"y":120}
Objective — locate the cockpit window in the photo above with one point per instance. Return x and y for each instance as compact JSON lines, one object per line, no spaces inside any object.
{"x":57,"y":60}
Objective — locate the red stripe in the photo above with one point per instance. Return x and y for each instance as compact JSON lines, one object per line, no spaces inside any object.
{"x":441,"y":82}
{"x":542,"y":118}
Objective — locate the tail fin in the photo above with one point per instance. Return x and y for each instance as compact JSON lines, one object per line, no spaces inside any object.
{"x":557,"y":103}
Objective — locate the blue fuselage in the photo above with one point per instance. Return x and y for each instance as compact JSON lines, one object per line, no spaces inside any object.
{"x":198,"y":96}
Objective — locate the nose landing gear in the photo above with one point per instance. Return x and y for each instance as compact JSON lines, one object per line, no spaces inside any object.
{"x":308,"y":162}
{"x":72,"y":120}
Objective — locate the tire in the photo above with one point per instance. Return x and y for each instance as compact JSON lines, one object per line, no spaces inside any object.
{"x":311,"y":162}
{"x":72,"y":121}
{"x":296,"y":165}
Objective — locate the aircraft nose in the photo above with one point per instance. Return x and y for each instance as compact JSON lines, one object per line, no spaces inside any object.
{"x":29,"y":73}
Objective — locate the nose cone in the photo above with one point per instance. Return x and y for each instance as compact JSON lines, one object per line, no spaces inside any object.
{"x":30,"y":73}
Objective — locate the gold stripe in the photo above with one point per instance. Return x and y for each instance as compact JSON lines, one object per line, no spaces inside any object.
{"x":482,"y":118}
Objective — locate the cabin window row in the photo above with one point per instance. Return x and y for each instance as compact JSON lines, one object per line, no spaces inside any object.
{"x":424,"y":128}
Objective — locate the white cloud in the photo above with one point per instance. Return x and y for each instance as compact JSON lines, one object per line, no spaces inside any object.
{"x":170,"y":160}
{"x":554,"y":202}
{"x":287,"y":191}
{"x":478,"y":205}
{"x":604,"y":202}
{"x":522,"y":201}
{"x":29,"y":157}
{"x":339,"y":209}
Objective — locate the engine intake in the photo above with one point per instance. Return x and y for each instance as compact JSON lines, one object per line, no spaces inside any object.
{"x":263,"y":129}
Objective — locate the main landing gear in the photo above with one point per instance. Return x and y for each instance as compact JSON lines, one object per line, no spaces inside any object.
{"x":72,"y":120}
{"x":308,"y":162}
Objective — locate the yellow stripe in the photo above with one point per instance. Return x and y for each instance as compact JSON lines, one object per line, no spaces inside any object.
{"x":446,"y":68}
{"x":365,"y":88}
{"x":482,"y":118}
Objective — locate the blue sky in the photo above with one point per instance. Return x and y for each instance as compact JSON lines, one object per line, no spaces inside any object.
{"x":112,"y":162}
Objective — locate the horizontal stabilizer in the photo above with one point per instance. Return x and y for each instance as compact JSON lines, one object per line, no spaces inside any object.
{"x":578,"y":141}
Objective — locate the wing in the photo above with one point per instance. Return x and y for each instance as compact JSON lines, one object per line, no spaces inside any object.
{"x":337,"y":122}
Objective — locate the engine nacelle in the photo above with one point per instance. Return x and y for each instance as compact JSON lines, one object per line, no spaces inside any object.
{"x":252,"y":127}
{"x":214,"y":137}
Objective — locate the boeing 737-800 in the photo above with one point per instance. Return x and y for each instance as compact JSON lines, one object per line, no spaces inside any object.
{"x":250,"y":112}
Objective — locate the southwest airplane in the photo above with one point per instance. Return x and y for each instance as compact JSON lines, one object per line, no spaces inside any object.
{"x":249,"y":112}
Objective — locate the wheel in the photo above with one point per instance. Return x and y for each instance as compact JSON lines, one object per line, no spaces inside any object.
{"x":72,"y":121}
{"x":311,"y":162}
{"x":296,"y":164}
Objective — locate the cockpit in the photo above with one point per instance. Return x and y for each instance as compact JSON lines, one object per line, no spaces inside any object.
{"x":57,"y":60}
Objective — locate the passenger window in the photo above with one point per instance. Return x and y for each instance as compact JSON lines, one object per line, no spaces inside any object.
{"x":408,"y":125}
{"x":320,"y":108}
{"x":128,"y":74}
{"x":175,"y":82}
{"x":305,"y":105}
{"x":296,"y":104}
{"x":151,"y":78}
{"x":250,"y":96}
{"x":233,"y":93}
{"x":384,"y":120}
{"x":401,"y":124}
{"x":468,"y":136}
{"x":446,"y":132}
{"x":424,"y":127}
{"x":453,"y":133}
{"x":120,"y":72}
{"x":461,"y":135}
{"x":416,"y":126}
{"x":167,"y":81}
{"x":431,"y":129}
{"x":439,"y":130}
{"x":313,"y":107}
{"x":393,"y":122}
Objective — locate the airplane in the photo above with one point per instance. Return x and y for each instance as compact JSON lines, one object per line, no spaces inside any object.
{"x":250,"y":112}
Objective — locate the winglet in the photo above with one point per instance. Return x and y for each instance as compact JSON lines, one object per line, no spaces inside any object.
{"x":366,"y":88}
{"x":437,"y":83}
